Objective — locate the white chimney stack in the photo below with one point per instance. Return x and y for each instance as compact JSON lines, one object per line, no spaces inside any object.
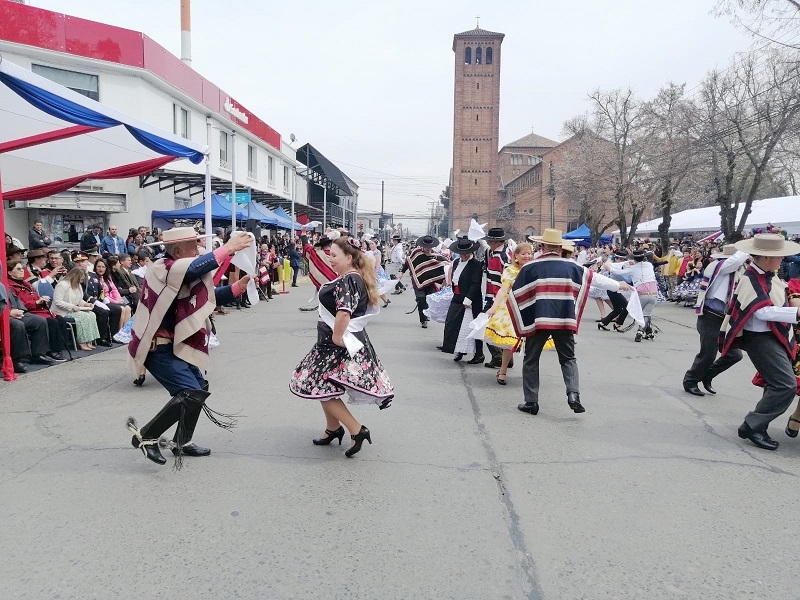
{"x":186,"y":31}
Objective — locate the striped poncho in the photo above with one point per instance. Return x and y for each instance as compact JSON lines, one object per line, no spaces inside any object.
{"x":426,"y":269}
{"x":549,"y":294}
{"x":755,"y":290}
{"x":320,"y":271}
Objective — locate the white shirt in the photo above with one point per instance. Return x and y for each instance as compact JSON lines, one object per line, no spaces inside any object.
{"x":719,"y":287}
{"x":641,"y":272}
{"x":602,"y":282}
{"x":759,"y":322}
{"x":396,"y":255}
{"x":582,"y":255}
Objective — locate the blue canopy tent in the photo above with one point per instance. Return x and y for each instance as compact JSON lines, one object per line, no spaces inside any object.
{"x":583,"y":234}
{"x":284,"y":220}
{"x":220,"y":211}
{"x":260,"y":212}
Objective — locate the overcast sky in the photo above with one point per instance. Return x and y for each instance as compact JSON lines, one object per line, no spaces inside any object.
{"x":370,"y":84}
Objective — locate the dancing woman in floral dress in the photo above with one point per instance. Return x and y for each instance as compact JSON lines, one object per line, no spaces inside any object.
{"x":343,"y":360}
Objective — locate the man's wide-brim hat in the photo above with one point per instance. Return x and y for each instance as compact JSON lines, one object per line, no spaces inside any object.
{"x":14,"y":250}
{"x":427,"y":241}
{"x":728,"y":250}
{"x":551,"y":237}
{"x":464,"y":245}
{"x":768,"y":244}
{"x":177,"y":235}
{"x":36,"y":253}
{"x":496,"y":234}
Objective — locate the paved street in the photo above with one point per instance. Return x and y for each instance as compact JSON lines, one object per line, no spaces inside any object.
{"x":648,"y":495}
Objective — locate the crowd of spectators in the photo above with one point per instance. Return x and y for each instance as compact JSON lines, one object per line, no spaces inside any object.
{"x":60,"y":301}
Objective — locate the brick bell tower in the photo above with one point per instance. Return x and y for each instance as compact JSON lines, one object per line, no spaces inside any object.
{"x":476,"y":127}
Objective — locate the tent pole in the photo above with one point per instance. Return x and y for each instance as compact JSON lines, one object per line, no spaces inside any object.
{"x":294,"y":184}
{"x":209,"y":241}
{"x":5,"y":318}
{"x":233,"y":182}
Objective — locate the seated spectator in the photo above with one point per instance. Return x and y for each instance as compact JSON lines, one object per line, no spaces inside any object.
{"x":45,"y":331}
{"x":136,"y":243}
{"x":36,"y":263}
{"x":125,"y":281}
{"x":142,"y":262}
{"x":54,"y":268}
{"x":20,"y":347}
{"x":66,"y":259}
{"x":37,"y":238}
{"x":69,"y":302}
{"x":107,"y":315}
{"x":93,"y":255}
{"x":111,"y":295}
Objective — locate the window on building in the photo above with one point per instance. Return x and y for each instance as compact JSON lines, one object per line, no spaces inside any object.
{"x":478,"y":56}
{"x":271,"y":170}
{"x":488,"y":56}
{"x":476,"y":149}
{"x":467,"y":55}
{"x":223,"y":150}
{"x":252,"y":162}
{"x":285,"y":178}
{"x":476,"y":117}
{"x":479,"y":85}
{"x":181,"y":203}
{"x":476,"y":182}
{"x":83,"y":83}
{"x":531,"y":160}
{"x":180,"y":121}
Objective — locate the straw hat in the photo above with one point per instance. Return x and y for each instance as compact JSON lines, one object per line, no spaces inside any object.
{"x":568,"y":245}
{"x":728,"y":250}
{"x":768,"y":244}
{"x":179,"y":234}
{"x":551,"y":237}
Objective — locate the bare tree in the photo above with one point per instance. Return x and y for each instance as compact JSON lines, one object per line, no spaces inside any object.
{"x":744,"y":114}
{"x":668,"y":150}
{"x":770,"y":20}
{"x":616,"y":116}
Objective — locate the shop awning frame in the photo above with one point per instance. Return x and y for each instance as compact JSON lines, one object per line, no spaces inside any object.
{"x":52,"y":138}
{"x":322,"y":171}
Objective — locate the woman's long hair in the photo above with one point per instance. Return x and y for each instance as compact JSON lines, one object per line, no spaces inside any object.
{"x":364,"y":267}
{"x":75,"y":276}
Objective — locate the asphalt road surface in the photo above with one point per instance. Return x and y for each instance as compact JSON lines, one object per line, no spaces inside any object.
{"x":650,"y":494}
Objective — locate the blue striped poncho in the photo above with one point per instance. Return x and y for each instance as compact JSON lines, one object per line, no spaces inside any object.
{"x":549,"y":293}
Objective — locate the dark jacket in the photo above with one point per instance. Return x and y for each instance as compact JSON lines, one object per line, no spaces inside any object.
{"x":88,"y":240}
{"x":38,"y":240}
{"x":469,"y":284}
{"x":294,"y":258}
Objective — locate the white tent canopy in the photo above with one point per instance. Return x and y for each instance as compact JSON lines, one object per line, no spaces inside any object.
{"x":782,"y":212}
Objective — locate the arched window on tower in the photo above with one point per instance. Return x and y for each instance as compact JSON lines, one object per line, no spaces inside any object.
{"x":488,"y":56}
{"x":478,"y":56}
{"x":467,"y":55}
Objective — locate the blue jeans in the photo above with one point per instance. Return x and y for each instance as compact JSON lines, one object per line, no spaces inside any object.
{"x":173,"y":373}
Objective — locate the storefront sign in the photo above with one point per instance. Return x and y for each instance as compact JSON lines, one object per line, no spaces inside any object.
{"x":235,"y":111}
{"x":241,"y":197}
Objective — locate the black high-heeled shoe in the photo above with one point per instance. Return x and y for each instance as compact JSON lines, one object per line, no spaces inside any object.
{"x":603,"y":327}
{"x":358,"y":438}
{"x":459,"y":356}
{"x":139,"y":381}
{"x":330,"y":436}
{"x":792,"y":433}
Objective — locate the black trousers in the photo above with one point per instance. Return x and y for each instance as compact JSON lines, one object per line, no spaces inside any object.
{"x":295,"y":271}
{"x":705,"y":367}
{"x":57,"y":333}
{"x":565,"y":347}
{"x":619,"y":309}
{"x":773,"y":363}
{"x":108,"y":320}
{"x":422,"y":300}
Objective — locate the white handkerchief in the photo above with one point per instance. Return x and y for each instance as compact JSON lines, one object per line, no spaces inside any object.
{"x":100,"y":304}
{"x":476,"y":230}
{"x":246,"y":260}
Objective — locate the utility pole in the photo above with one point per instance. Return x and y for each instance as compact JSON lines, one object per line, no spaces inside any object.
{"x":382,"y":221}
{"x":551,"y":191}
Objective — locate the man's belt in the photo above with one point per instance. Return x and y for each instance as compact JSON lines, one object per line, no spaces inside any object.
{"x":159,"y":341}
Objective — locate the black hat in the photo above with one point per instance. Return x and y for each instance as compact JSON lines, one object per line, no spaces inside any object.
{"x":639,"y":255}
{"x":496,"y":234}
{"x":396,"y":237}
{"x":620,"y":254}
{"x":427,"y":241}
{"x":464,"y":245}
{"x":14,"y":250}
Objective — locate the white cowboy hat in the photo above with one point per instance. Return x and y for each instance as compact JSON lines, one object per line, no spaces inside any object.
{"x":551,"y":237}
{"x":728,"y":250}
{"x":179,"y":234}
{"x":768,"y":244}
